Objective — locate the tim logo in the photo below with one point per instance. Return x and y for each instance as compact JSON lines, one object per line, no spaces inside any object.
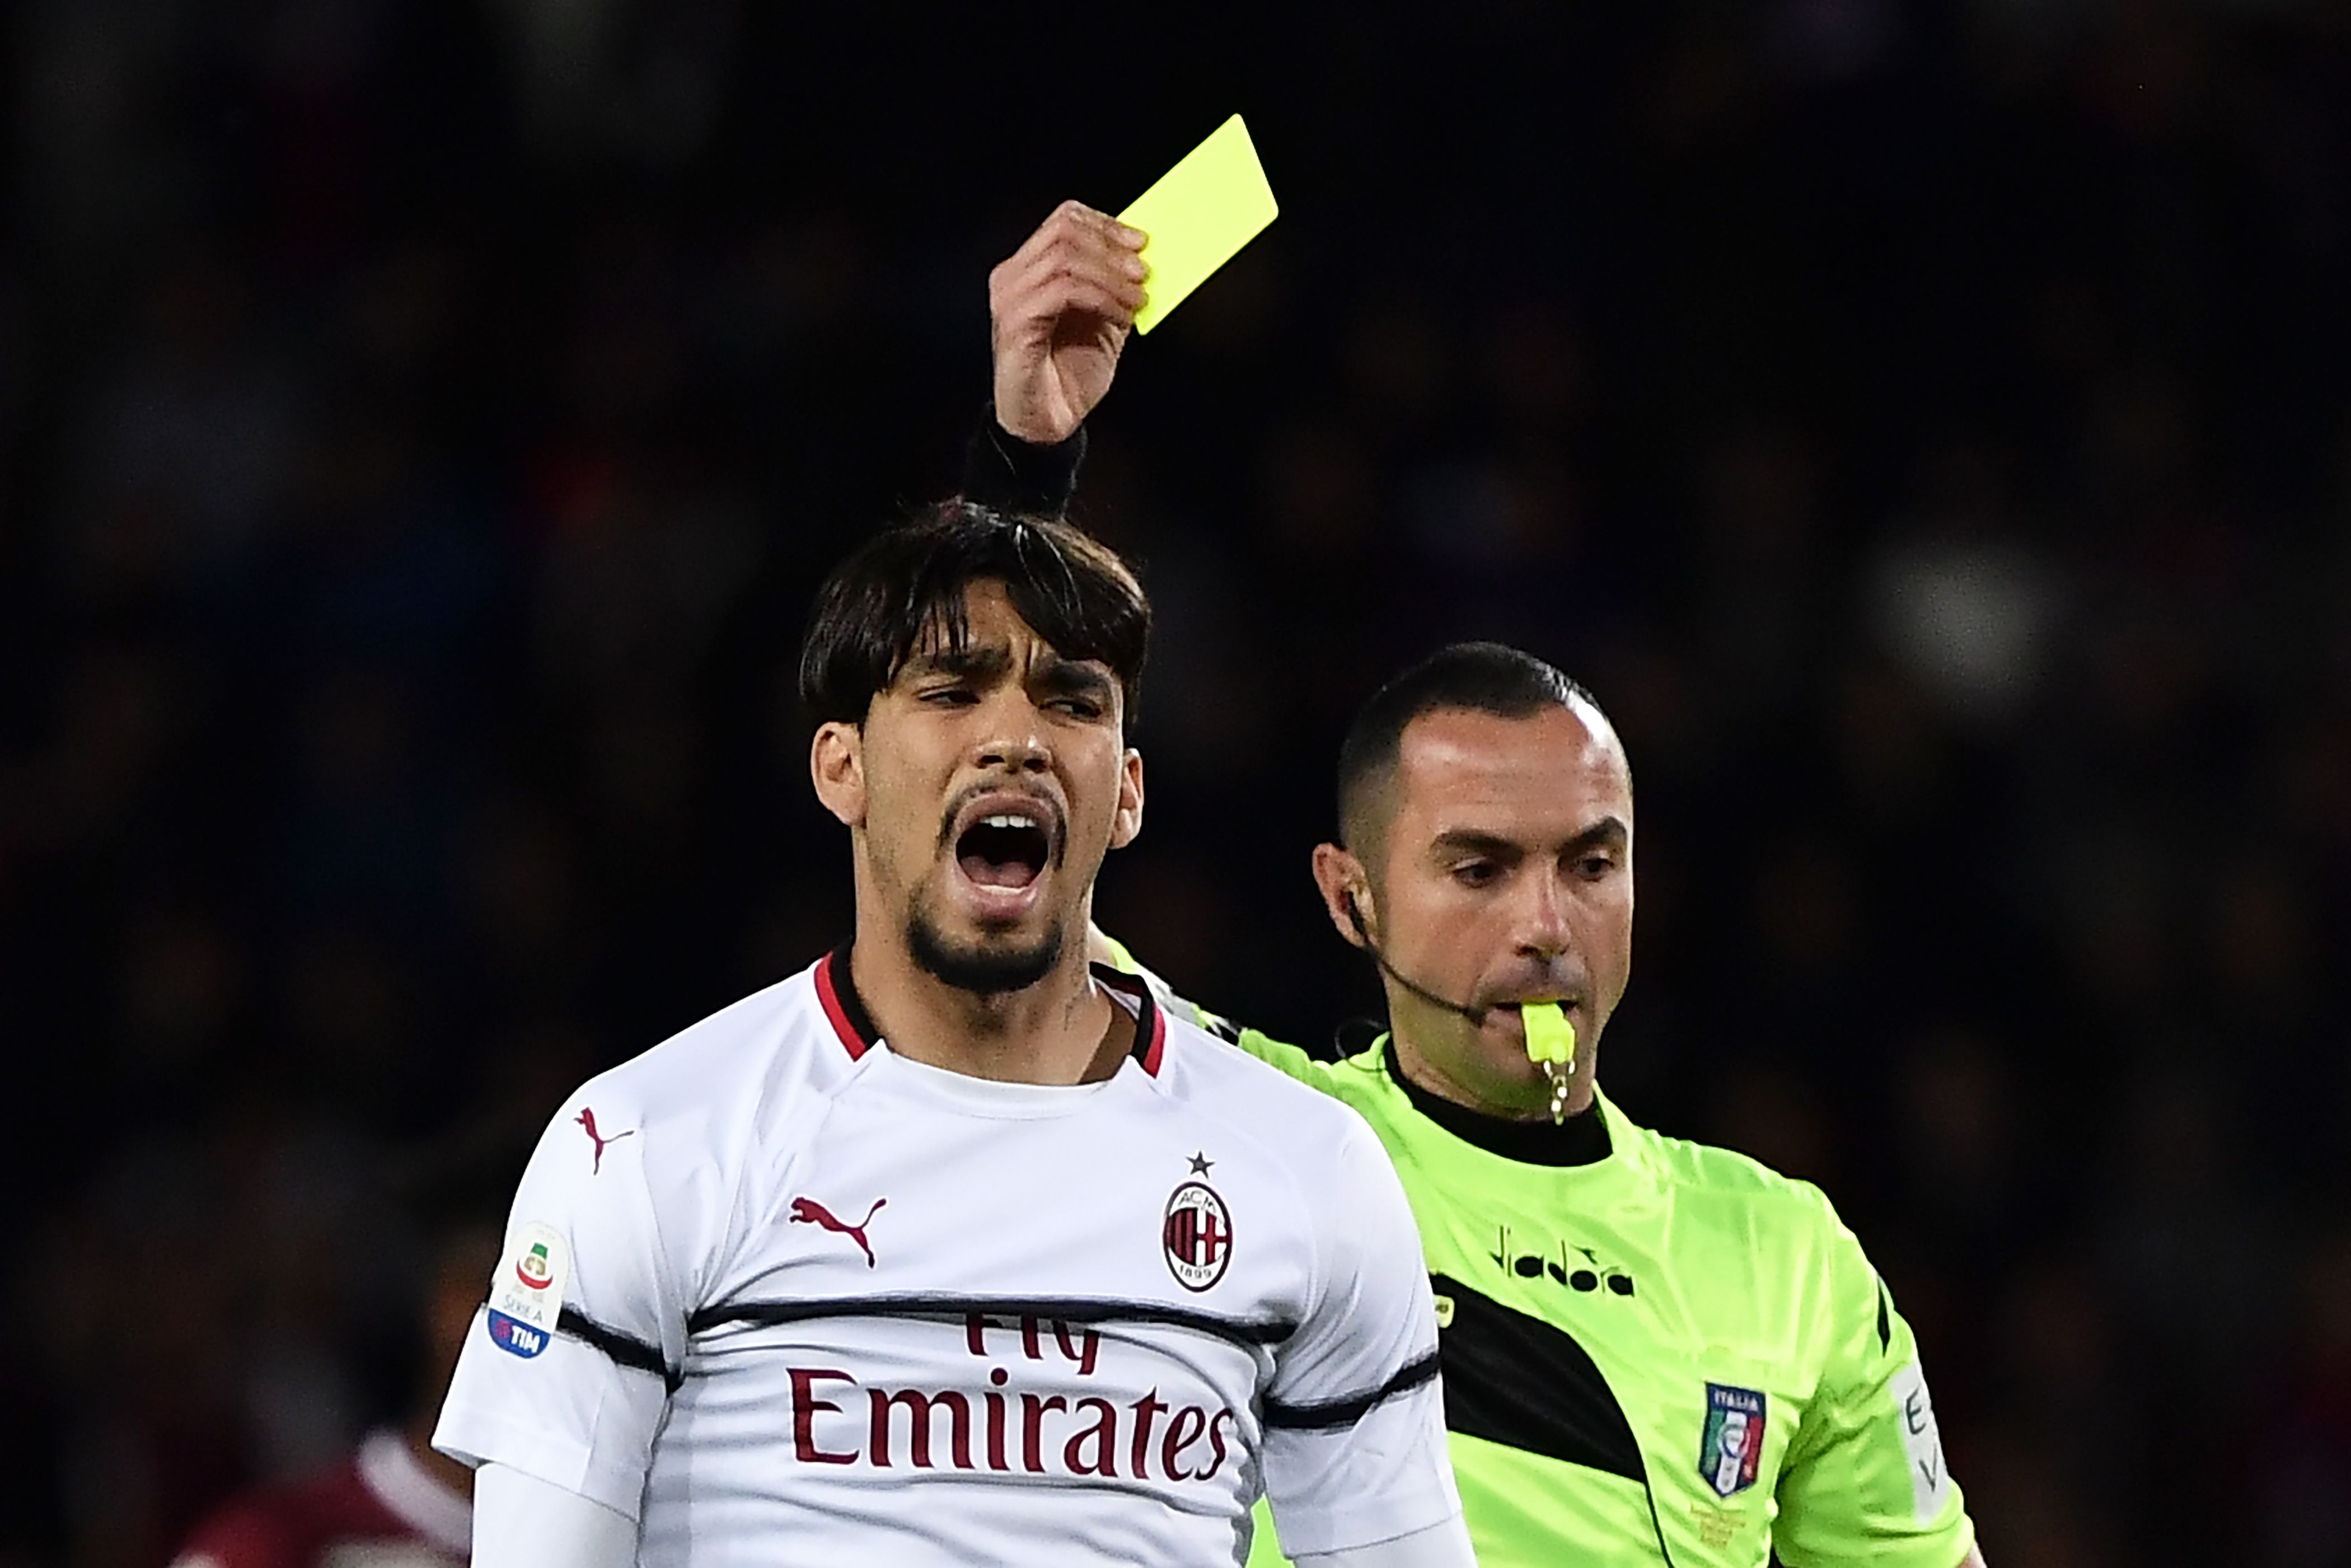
{"x":516,"y":1338}
{"x":809,"y":1211}
{"x":587,"y":1122}
{"x":1197,"y":1235}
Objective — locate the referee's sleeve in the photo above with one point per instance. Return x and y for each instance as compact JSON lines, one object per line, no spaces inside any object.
{"x":1355,"y":1450}
{"x":569,"y":1366}
{"x":1006,"y":474}
{"x":1866,"y":1479}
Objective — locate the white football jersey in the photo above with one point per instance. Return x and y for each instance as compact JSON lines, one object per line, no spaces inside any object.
{"x":787,"y":1297}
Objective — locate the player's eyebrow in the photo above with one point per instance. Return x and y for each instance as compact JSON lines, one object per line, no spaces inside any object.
{"x":1075,"y":678}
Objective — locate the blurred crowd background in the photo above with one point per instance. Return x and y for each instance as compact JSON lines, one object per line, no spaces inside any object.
{"x":1927,"y":427}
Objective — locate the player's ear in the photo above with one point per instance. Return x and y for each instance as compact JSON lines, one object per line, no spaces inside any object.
{"x":1127,"y":822}
{"x":1346,"y":890}
{"x":837,"y":767}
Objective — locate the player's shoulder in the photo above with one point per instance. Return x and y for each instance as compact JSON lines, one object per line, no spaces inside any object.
{"x":777,"y":1043}
{"x":1305,"y":1121}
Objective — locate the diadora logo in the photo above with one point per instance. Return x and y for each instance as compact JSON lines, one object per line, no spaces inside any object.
{"x":586,"y":1122}
{"x":809,"y":1211}
{"x":1577,"y":1268}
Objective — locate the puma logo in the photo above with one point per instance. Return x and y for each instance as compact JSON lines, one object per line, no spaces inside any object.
{"x":809,"y":1211}
{"x":587,"y":1121}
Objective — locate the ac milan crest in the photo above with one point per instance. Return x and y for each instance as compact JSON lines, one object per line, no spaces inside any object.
{"x":1196,"y":1236}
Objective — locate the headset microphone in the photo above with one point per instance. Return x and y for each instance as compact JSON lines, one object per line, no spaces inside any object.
{"x":1551,"y":1037}
{"x":1356,"y":915}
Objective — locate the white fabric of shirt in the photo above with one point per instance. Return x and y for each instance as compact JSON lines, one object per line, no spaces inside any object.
{"x":1017,"y":1360}
{"x":525,"y":1522}
{"x":522,"y":1521}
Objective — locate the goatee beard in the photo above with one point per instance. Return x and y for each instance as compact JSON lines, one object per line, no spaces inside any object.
{"x":988,"y":972}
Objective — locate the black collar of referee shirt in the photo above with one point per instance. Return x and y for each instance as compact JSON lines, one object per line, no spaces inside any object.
{"x":1580,"y":1140}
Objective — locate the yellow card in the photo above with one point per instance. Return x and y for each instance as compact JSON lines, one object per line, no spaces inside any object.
{"x":1198,"y":216}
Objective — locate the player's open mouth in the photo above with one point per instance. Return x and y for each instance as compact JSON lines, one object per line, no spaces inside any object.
{"x":1005,"y":847}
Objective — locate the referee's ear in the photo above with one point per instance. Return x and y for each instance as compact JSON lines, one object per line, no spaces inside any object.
{"x":837,"y":768}
{"x":1346,"y":892}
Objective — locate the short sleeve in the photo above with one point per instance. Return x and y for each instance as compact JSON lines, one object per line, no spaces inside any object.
{"x":566,"y":1373}
{"x":1354,"y":1418}
{"x":1865,"y":1481}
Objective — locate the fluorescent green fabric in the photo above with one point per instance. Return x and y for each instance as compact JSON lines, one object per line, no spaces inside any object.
{"x":1733,"y":1277}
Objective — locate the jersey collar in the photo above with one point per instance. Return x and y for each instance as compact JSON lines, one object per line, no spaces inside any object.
{"x":854,"y":1024}
{"x":849,"y":1020}
{"x":1582,"y":1140}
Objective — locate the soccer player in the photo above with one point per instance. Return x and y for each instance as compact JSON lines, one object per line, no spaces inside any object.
{"x":392,"y":1502}
{"x":950,"y":1249}
{"x":1654,"y":1352}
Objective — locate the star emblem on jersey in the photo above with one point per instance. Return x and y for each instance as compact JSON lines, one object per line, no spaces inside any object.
{"x":1730,"y":1453}
{"x":1200,"y":1164}
{"x":1197,"y":1232}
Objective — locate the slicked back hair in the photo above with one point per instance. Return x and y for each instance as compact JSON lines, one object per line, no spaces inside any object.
{"x":903,"y":591}
{"x":1473,"y":677}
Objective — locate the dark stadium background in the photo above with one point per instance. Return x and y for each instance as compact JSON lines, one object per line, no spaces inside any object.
{"x":1927,"y":427}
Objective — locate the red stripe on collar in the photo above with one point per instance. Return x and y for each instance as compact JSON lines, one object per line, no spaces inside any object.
{"x":841,"y":1004}
{"x":847,"y":1012}
{"x":1150,"y":1023}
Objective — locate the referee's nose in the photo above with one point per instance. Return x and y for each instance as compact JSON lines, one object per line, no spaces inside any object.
{"x":1544,"y":930}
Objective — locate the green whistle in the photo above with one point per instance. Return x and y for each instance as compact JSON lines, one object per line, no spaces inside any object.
{"x":1549,"y":1037}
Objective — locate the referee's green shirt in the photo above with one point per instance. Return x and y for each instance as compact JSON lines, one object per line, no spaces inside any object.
{"x":1669,"y":1354}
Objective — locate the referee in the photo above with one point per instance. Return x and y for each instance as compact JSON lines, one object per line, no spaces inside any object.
{"x":1654,"y":1352}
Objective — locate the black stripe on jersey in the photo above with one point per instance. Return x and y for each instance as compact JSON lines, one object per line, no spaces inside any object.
{"x":1324,"y":1415}
{"x":1247,"y":1332}
{"x":1518,"y":1381}
{"x":617,"y":1347}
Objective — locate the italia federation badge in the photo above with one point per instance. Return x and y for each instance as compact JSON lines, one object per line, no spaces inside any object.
{"x":1196,"y":1233}
{"x":1731,"y":1454}
{"x":526,"y":1292}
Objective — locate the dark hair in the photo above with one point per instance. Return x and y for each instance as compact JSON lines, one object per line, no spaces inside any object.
{"x":905,"y":586}
{"x":1477,"y":677}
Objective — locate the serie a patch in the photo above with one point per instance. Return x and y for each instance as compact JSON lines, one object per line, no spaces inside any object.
{"x":1730,"y":1454}
{"x":526,"y":1292}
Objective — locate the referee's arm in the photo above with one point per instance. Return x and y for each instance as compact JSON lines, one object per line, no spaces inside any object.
{"x":1865,"y":1481}
{"x":1059,"y":309}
